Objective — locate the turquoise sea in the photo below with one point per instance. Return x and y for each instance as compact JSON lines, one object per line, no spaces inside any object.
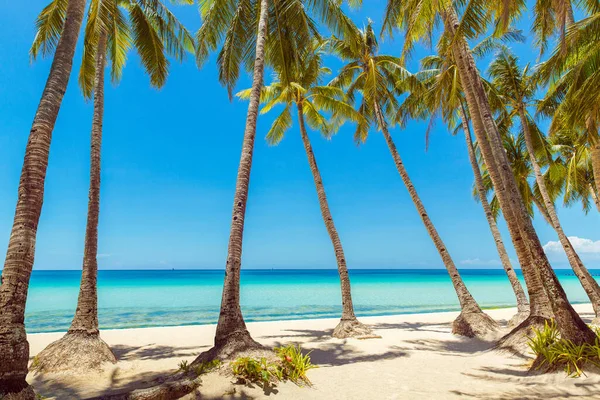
{"x":143,"y":298}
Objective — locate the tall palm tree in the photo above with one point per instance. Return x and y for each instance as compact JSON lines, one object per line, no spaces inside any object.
{"x":438,"y":92}
{"x":251,"y":33}
{"x":418,"y":18}
{"x":518,"y":87}
{"x":301,"y":88}
{"x":375,"y":78}
{"x":14,"y":348}
{"x":155,"y":33}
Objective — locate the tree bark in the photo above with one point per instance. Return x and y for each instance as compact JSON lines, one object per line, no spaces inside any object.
{"x":86,"y":315}
{"x":349,"y":325}
{"x":589,"y":284}
{"x":466,"y":300}
{"x":14,"y":348}
{"x":231,"y":328}
{"x":522,"y":302}
{"x":569,"y":323}
{"x":569,"y":15}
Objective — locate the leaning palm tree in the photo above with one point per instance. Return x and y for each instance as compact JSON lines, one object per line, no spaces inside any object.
{"x":518,"y":88}
{"x":418,"y":19}
{"x":251,"y":33}
{"x":375,"y":78}
{"x":14,"y":348}
{"x":438,"y":92}
{"x":302,"y":89}
{"x":155,"y":33}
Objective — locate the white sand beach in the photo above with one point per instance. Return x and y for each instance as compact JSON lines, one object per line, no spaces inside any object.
{"x":416,"y":358}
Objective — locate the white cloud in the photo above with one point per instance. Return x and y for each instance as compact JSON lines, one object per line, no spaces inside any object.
{"x":479,"y":262}
{"x":581,"y":246}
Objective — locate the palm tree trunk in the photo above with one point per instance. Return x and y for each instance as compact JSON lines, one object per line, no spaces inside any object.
{"x":232,"y":335}
{"x":568,"y":321}
{"x":14,"y":348}
{"x":569,"y":16}
{"x":522,"y":302}
{"x":86,"y":315}
{"x":349,"y":325}
{"x":589,"y":284}
{"x":468,"y":304}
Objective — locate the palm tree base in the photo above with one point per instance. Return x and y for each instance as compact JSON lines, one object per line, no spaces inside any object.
{"x":234,"y":345}
{"x":25,"y":394}
{"x":474,"y":324}
{"x":596,"y":322}
{"x":353,"y":328}
{"x":517,"y":319}
{"x":516,"y":340}
{"x":75,"y":352}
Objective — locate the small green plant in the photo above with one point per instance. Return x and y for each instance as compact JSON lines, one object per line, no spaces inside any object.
{"x":541,"y":343}
{"x":294,"y":364}
{"x":250,"y":370}
{"x":184,"y":366}
{"x":552,"y":352}
{"x":205,"y":367}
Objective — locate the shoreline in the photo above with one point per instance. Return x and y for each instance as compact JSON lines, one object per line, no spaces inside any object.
{"x":310,"y":318}
{"x":417,"y":357}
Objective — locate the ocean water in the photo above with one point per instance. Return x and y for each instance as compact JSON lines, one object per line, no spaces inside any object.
{"x":138,"y":298}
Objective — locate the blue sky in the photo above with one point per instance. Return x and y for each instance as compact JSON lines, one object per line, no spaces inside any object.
{"x":170,"y":160}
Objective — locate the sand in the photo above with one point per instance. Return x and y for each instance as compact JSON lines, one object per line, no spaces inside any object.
{"x":416,"y":358}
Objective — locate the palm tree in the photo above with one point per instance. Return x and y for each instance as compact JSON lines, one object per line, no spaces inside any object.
{"x":14,"y":348}
{"x":575,"y":176}
{"x":375,"y":77}
{"x":551,"y":18}
{"x":252,"y":34}
{"x":303,"y":89}
{"x":518,"y":88}
{"x":417,"y":18}
{"x":155,"y":33}
{"x":438,"y":92}
{"x":572,"y":99}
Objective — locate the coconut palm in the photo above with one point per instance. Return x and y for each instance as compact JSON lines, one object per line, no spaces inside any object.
{"x":112,"y":27}
{"x":575,"y":176}
{"x":518,"y":88}
{"x":14,"y":348}
{"x":375,"y":78}
{"x":252,"y":33}
{"x":551,"y":18}
{"x":439,"y":93}
{"x":418,"y":19}
{"x":302,"y":89}
{"x":572,"y":99}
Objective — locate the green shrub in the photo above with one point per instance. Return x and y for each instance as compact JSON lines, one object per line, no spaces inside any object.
{"x":184,"y":366}
{"x":553,"y":353}
{"x":250,"y":370}
{"x":205,"y":367}
{"x":294,"y":364}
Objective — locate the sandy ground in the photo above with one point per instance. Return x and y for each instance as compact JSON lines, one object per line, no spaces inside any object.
{"x":416,"y":358}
